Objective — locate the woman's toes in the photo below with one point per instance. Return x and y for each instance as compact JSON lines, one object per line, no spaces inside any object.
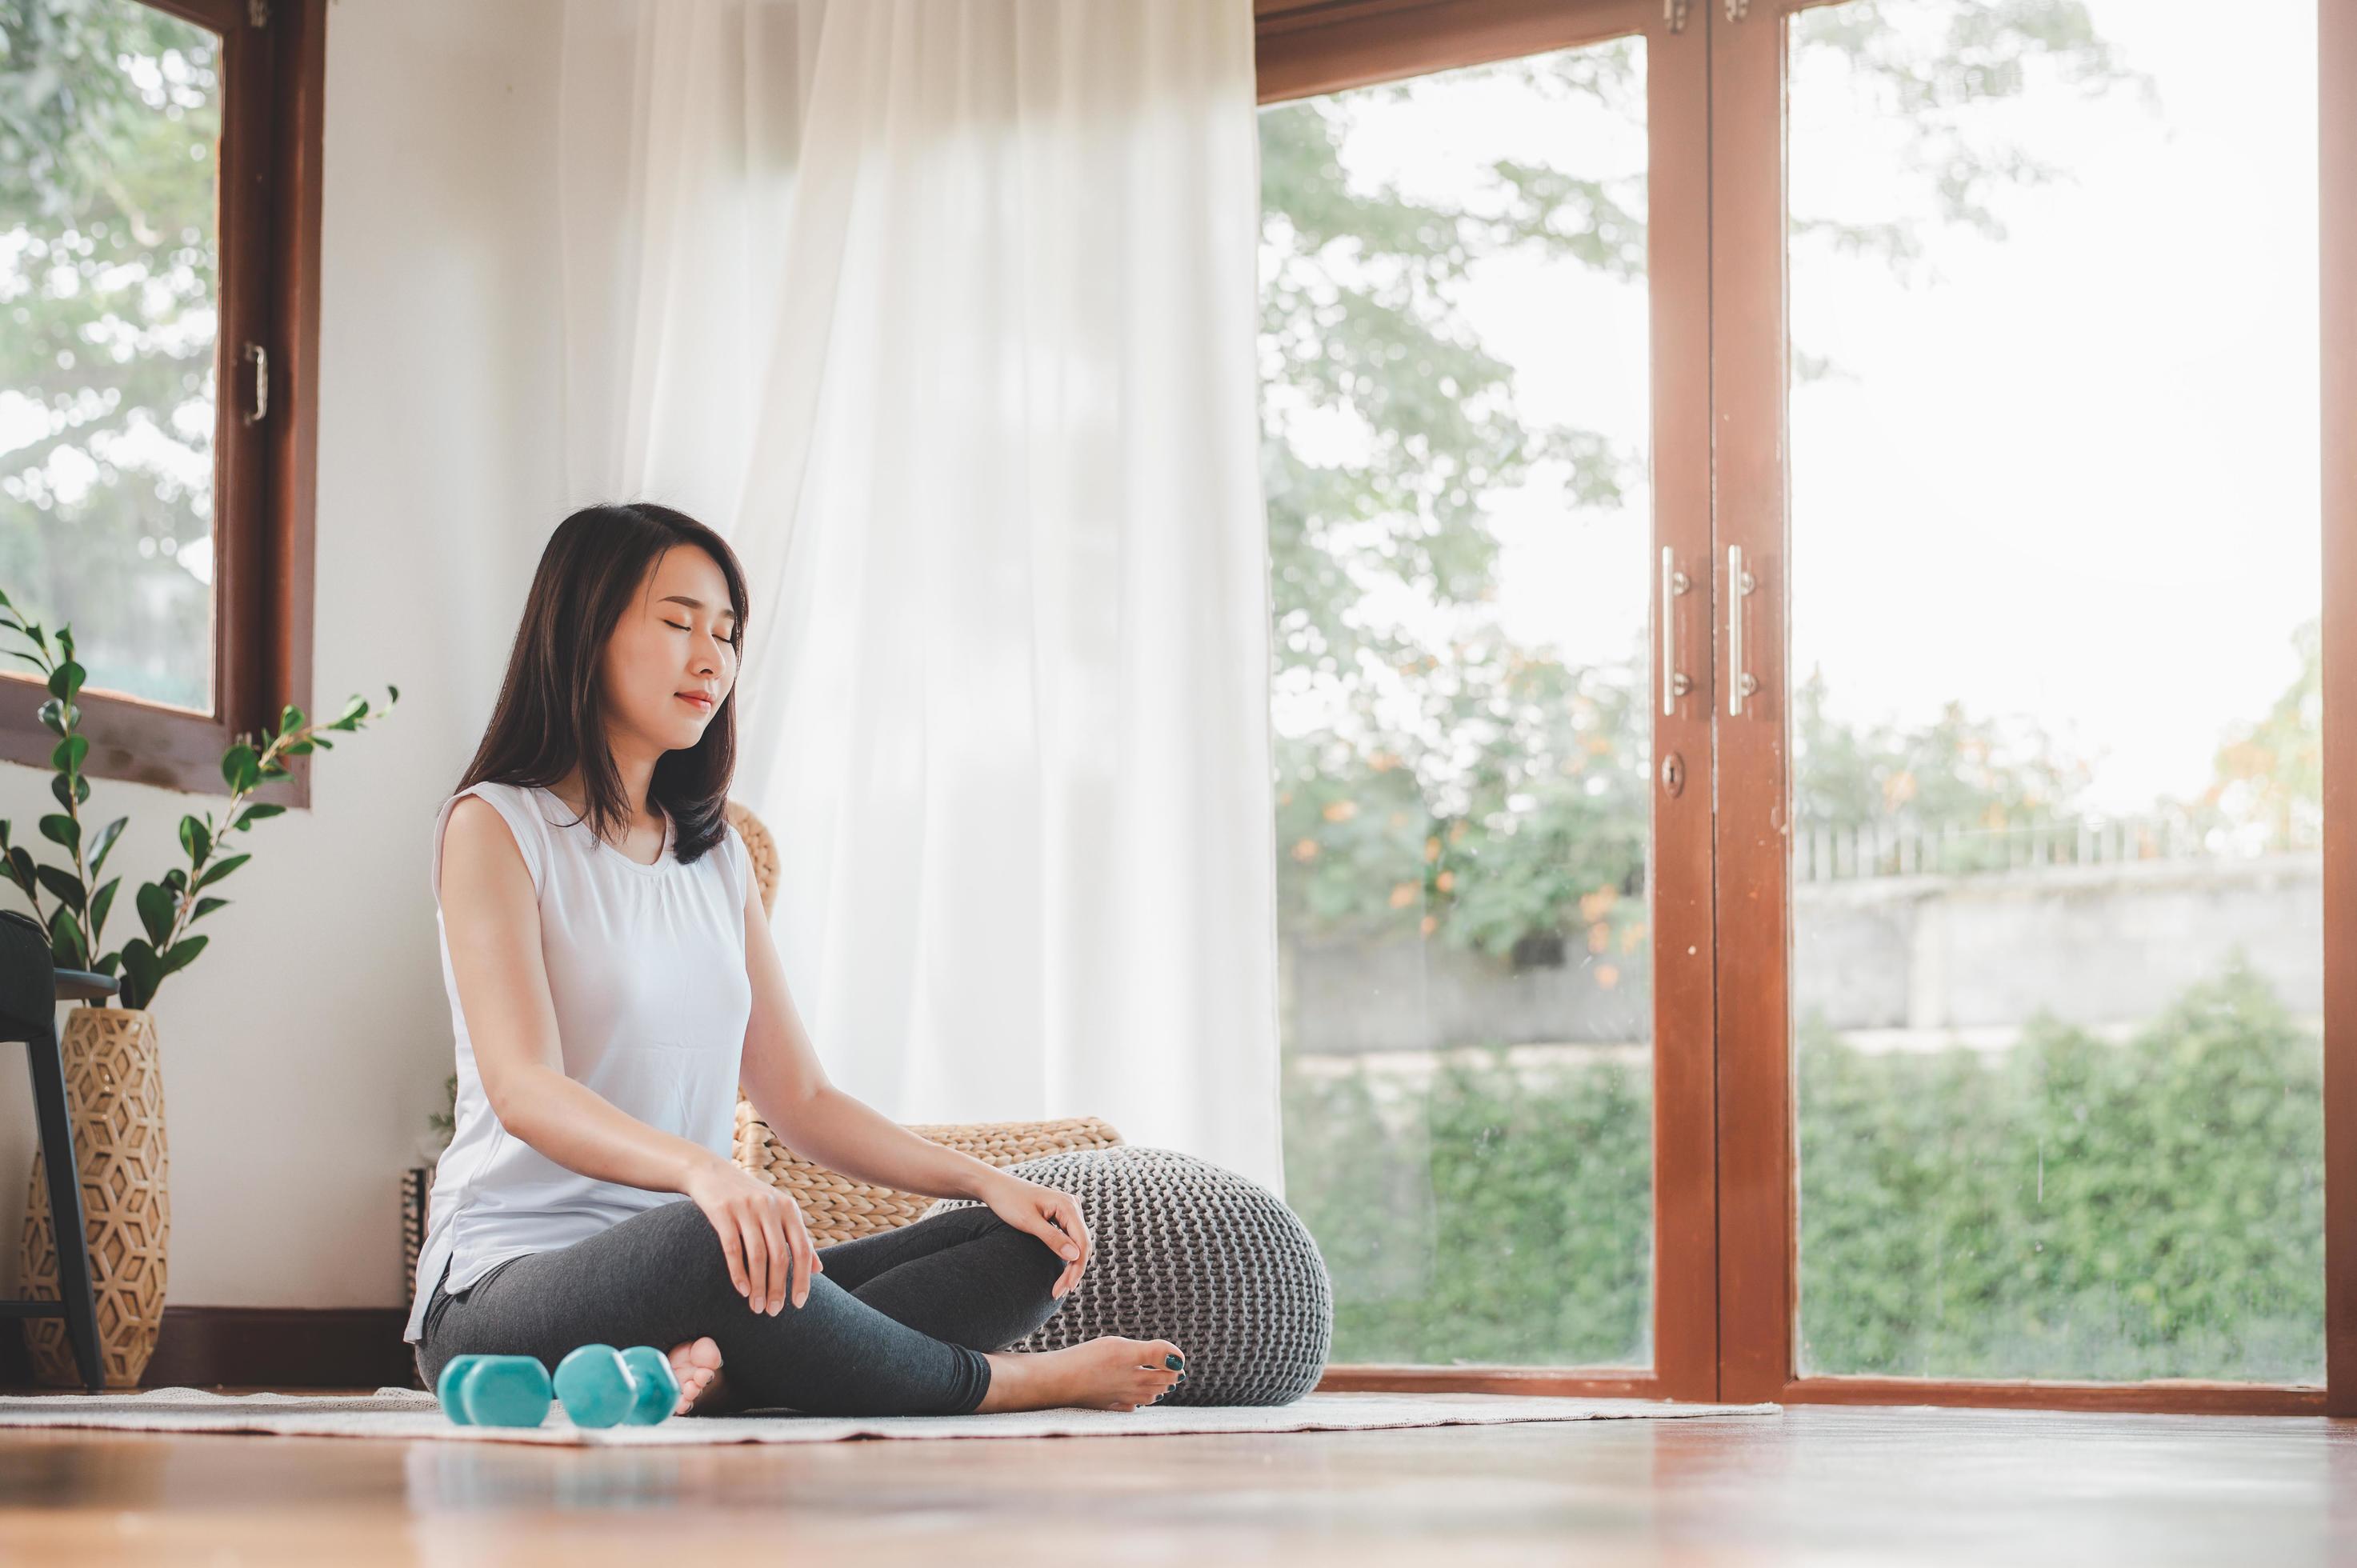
{"x":696,"y":1364}
{"x":695,"y":1355}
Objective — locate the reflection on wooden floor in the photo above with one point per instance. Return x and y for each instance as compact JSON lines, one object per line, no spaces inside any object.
{"x":1813,"y":1485}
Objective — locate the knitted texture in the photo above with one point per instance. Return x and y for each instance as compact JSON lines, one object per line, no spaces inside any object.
{"x":1190,"y":1251}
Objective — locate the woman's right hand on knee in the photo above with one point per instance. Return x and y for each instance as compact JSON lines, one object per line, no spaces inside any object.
{"x":761,"y":1232}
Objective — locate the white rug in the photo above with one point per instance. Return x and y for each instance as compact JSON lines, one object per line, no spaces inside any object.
{"x":407,"y":1414}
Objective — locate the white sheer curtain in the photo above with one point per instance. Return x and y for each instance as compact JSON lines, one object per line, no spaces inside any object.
{"x":944,"y":312}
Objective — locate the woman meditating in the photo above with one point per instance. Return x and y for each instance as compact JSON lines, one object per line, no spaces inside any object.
{"x":613,"y":982}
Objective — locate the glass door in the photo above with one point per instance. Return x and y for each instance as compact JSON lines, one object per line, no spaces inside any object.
{"x":2023,"y":887}
{"x":1486,"y":450}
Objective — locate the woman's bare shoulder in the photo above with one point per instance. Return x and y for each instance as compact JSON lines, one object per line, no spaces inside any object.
{"x":480,"y":847}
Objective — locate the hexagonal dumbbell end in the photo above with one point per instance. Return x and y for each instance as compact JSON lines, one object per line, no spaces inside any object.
{"x":503,"y":1390}
{"x":595,"y":1387}
{"x":654,"y":1386}
{"x":446,"y":1388}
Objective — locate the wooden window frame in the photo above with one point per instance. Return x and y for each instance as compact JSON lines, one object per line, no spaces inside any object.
{"x":273,"y":65}
{"x":1740,"y":1146}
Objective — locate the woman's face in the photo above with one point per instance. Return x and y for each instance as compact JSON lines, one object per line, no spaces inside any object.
{"x":673,"y":644}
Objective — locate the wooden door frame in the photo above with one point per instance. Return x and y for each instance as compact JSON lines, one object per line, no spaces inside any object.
{"x":1725,"y":1311}
{"x":2337,"y":323}
{"x":1757,"y":1191}
{"x":1308,"y":48}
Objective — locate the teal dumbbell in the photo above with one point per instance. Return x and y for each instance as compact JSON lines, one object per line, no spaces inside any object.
{"x":597,"y":1385}
{"x":494,"y":1391}
{"x":600,"y":1386}
{"x":446,"y":1388}
{"x":657,"y":1385}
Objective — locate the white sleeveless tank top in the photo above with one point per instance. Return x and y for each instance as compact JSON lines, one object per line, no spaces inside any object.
{"x":646,"y":966}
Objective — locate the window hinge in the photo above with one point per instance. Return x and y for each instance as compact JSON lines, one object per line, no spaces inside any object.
{"x":1673,"y":12}
{"x":257,"y":12}
{"x":1735,"y":9}
{"x":259,"y":357}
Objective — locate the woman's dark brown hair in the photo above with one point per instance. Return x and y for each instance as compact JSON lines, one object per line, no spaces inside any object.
{"x":552,"y":714}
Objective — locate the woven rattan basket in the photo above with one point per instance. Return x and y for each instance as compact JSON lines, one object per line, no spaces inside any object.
{"x":838,"y":1208}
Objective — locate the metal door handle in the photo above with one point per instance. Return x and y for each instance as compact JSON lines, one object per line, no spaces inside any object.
{"x":1740,"y":584}
{"x":1673,"y":684}
{"x":259,"y":357}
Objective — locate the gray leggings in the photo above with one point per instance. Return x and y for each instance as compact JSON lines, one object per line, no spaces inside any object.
{"x":895,"y":1325}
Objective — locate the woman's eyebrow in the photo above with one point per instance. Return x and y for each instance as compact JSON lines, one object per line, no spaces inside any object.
{"x":691,"y":603}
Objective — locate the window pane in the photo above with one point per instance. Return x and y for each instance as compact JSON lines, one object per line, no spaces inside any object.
{"x":1455,"y":412}
{"x":108,"y":142}
{"x":2057,"y":910}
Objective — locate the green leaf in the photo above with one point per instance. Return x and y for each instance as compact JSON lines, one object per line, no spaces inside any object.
{"x":394,"y":690}
{"x":156,"y":907}
{"x":237,"y":768}
{"x":180,"y":955}
{"x":53,"y":714}
{"x":20,"y":653}
{"x":322,"y":742}
{"x":69,"y":753}
{"x":105,"y":842}
{"x":175,"y":879}
{"x":65,"y":884}
{"x":66,"y":679}
{"x":196,"y":839}
{"x":99,"y":902}
{"x":20,"y":867}
{"x":206,"y":906}
{"x":4,"y":835}
{"x":63,"y":830}
{"x":290,"y":718}
{"x":141,"y":973}
{"x":108,"y":965}
{"x":219,"y":869}
{"x":295,"y":748}
{"x":253,"y":814}
{"x":67,"y":948}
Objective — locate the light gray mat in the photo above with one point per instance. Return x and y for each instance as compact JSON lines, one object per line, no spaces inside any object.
{"x":407,"y":1414}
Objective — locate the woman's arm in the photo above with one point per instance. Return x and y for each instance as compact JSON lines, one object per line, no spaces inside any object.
{"x":789,"y":1090}
{"x":491,"y":916}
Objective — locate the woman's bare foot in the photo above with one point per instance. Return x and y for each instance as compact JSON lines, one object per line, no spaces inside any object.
{"x":701,"y":1386}
{"x":1107,"y":1373}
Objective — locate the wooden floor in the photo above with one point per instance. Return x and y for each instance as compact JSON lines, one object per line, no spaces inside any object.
{"x":1812,"y":1484}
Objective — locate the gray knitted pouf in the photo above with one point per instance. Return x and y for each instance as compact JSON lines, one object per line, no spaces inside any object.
{"x":1190,"y":1251}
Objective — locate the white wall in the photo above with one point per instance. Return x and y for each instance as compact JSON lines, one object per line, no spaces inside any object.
{"x":305,"y":1048}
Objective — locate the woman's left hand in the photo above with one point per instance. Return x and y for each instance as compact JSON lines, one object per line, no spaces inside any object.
{"x":1054,"y":1217}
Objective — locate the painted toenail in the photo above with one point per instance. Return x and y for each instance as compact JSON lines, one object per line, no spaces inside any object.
{"x":1174,"y":1362}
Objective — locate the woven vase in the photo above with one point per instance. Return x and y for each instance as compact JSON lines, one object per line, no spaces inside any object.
{"x":114,"y":1096}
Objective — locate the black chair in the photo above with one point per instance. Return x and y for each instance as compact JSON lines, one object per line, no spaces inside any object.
{"x":31,"y":986}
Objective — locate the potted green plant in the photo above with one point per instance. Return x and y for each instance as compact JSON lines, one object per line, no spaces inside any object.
{"x":112,"y":1068}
